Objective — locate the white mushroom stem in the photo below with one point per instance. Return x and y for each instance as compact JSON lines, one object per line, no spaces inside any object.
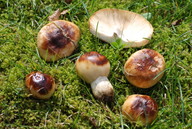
{"x":102,"y":89}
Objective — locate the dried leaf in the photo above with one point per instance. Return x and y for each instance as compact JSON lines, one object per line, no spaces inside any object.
{"x":55,"y":15}
{"x":176,"y":22}
{"x":64,"y":12}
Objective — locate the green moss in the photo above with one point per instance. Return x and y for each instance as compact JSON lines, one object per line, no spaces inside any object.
{"x":73,"y":105}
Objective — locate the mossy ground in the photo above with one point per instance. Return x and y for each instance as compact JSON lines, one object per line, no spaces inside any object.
{"x":73,"y":105}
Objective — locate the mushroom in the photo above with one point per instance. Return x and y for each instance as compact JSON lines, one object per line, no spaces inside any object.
{"x":94,"y":68}
{"x":40,"y":85}
{"x":140,"y":109}
{"x":112,"y":24}
{"x":57,"y":39}
{"x":144,"y":68}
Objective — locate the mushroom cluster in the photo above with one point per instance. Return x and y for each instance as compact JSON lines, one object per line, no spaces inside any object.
{"x":94,"y":68}
{"x":55,"y":40}
{"x":143,"y":69}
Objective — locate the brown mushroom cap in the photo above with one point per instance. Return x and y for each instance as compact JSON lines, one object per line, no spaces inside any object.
{"x":57,"y":39}
{"x":140,"y":109}
{"x":110,"y":24}
{"x":144,"y":68}
{"x":40,"y":85}
{"x":91,"y":65}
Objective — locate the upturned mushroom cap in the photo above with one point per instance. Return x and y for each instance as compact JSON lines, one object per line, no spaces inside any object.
{"x":40,"y":85}
{"x":140,"y":109}
{"x":91,"y":65}
{"x":110,"y":24}
{"x":57,"y":39}
{"x":144,"y":68}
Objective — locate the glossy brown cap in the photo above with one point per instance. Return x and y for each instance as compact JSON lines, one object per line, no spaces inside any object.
{"x":91,"y":65}
{"x":144,"y":68}
{"x":40,"y":85}
{"x":112,"y":24}
{"x":140,"y":109}
{"x":57,"y":39}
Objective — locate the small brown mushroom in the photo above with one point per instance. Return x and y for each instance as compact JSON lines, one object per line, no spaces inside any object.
{"x":40,"y":85}
{"x":140,"y":109}
{"x":57,"y":39}
{"x":112,"y":24}
{"x":144,"y":68}
{"x":94,"y":68}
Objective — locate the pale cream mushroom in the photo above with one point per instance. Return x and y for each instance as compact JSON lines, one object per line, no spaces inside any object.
{"x":57,"y":39}
{"x":40,"y":85}
{"x":94,"y":68}
{"x":140,"y":109}
{"x":144,"y":68}
{"x":111,"y":24}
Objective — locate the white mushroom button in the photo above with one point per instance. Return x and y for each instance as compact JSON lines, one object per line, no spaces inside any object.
{"x":94,"y":68}
{"x":112,"y":24}
{"x":144,"y":68}
{"x":57,"y":39}
{"x":140,"y":109}
{"x":40,"y":85}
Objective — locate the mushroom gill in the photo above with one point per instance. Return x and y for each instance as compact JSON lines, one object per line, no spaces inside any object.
{"x":112,"y":24}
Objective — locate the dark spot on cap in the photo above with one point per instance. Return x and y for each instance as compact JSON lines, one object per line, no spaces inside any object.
{"x":144,"y":106}
{"x":95,"y":58}
{"x":145,"y":60}
{"x":58,"y":35}
{"x":42,"y":83}
{"x":57,"y":41}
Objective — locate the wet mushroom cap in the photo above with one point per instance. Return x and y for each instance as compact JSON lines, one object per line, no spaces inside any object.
{"x":144,"y":68}
{"x":140,"y":109}
{"x":111,"y":24}
{"x":40,"y":85}
{"x":91,"y":65}
{"x":57,"y":39}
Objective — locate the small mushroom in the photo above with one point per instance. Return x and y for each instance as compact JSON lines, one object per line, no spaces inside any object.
{"x":140,"y":109}
{"x":112,"y":24}
{"x":144,"y":68}
{"x":94,"y":68}
{"x":40,"y":85}
{"x":57,"y":39}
